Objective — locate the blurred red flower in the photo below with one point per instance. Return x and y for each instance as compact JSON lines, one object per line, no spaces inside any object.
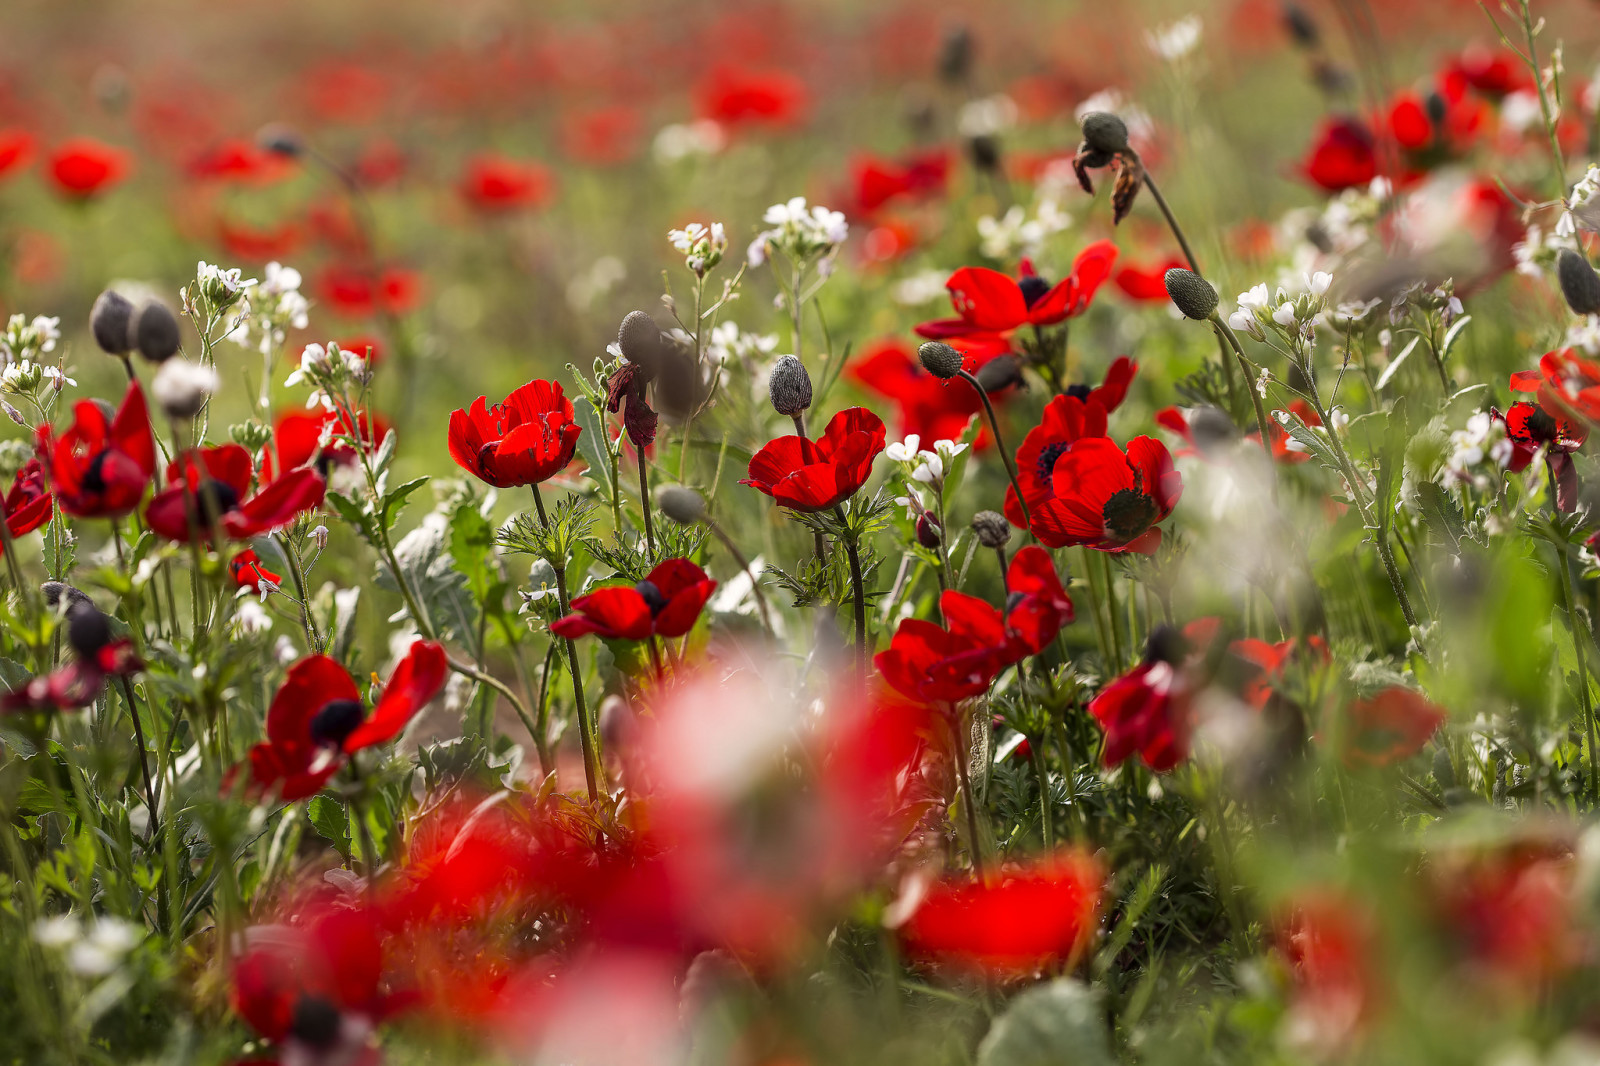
{"x":1036,"y":604}
{"x":209,"y":491}
{"x":739,"y":97}
{"x":1393,"y":725}
{"x":603,"y":136}
{"x":876,"y":181}
{"x":495,"y":183}
{"x":1343,"y":155}
{"x":241,"y":161}
{"x":1531,"y":428}
{"x":247,"y":572}
{"x":99,"y":468}
{"x":1568,"y":385}
{"x":1514,"y":911}
{"x":28,"y":505}
{"x":1327,"y":944}
{"x":259,"y":243}
{"x":1109,"y":500}
{"x":1148,"y":284}
{"x":359,"y":292}
{"x":814,"y":476}
{"x":991,"y":305}
{"x":16,"y":149}
{"x":524,"y":440}
{"x":297,"y":439}
{"x":83,"y":168}
{"x":926,"y":406}
{"x":1038,"y":915}
{"x":1146,"y":711}
{"x":1494,"y":73}
{"x":666,"y":604}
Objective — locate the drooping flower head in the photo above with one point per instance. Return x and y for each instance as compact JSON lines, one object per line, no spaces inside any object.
{"x":100,"y":466}
{"x":524,"y":440}
{"x":666,"y":604}
{"x":813,"y":476}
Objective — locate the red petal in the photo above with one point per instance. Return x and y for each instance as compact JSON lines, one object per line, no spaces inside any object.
{"x":276,"y":505}
{"x":313,"y":682}
{"x":416,"y":680}
{"x":987,"y":299}
{"x":617,"y":612}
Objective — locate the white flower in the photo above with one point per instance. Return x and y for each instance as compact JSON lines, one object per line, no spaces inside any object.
{"x":920,"y":288}
{"x":987,"y":116}
{"x":313,"y":360}
{"x":57,"y":931}
{"x":1285,"y":314}
{"x":1319,"y":282}
{"x":803,"y":233}
{"x":681,"y":140}
{"x":251,"y":618}
{"x":1174,"y":41}
{"x":108,"y":941}
{"x":1256,"y":299}
{"x":904,"y":452}
{"x":29,"y":339}
{"x":949,"y":449}
{"x":181,"y":388}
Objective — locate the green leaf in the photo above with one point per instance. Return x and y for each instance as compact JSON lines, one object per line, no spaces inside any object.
{"x":329,"y":819}
{"x":392,"y":502}
{"x":1313,"y":442}
{"x":592,"y":444}
{"x":1442,"y":514}
{"x":472,"y":549}
{"x":429,"y":572}
{"x":1055,"y":1024}
{"x":356,"y":515}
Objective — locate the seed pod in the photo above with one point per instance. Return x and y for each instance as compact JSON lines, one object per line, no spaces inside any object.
{"x":639,"y":338}
{"x":87,"y":629}
{"x":1579,"y":282}
{"x":992,"y":529}
{"x":999,"y":373}
{"x":1104,"y":132}
{"x":1191,"y":293}
{"x":56,"y":591}
{"x":789,"y":386}
{"x":985,"y":152}
{"x":680,"y":503}
{"x":108,"y":321}
{"x":939,"y":359}
{"x":153,"y":331}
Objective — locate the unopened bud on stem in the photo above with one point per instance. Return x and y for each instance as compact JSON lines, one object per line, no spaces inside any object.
{"x":1191,"y":294}
{"x":789,"y":386}
{"x":1579,"y":282}
{"x":108,"y":321}
{"x":153,"y":331}
{"x":992,"y":529}
{"x":1104,"y":132}
{"x":682,"y":504}
{"x":939,"y":359}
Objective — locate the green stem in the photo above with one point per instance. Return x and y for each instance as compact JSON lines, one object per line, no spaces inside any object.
{"x":858,"y":591}
{"x":593,"y":772}
{"x":999,"y":444}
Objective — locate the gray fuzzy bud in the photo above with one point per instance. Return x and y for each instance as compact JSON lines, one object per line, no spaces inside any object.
{"x":1579,"y":282}
{"x":999,"y":373}
{"x":1191,"y":294}
{"x":789,"y":386}
{"x":939,"y":359}
{"x":639,"y":338}
{"x":153,"y":331}
{"x":108,"y":321}
{"x":682,"y":504}
{"x":1104,"y":132}
{"x":992,"y":529}
{"x":57,"y":591}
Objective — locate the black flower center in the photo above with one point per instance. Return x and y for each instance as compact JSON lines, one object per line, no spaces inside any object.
{"x":1048,"y":456}
{"x":1541,"y":427}
{"x":1015,"y":600}
{"x":1166,"y":645}
{"x":1129,"y":513}
{"x":94,"y":477}
{"x":652,"y":596}
{"x":337,"y":720}
{"x":1033,"y":288}
{"x":1080,"y":391}
{"x":316,"y":1022}
{"x":217,"y":498}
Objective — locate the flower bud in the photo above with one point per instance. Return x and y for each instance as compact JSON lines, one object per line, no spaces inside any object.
{"x":153,"y":331}
{"x":682,"y":504}
{"x":280,"y":139}
{"x":789,"y":386}
{"x":1300,"y":25}
{"x":1104,"y":132}
{"x":181,"y":388}
{"x":955,"y":55}
{"x":939,"y":359}
{"x":88,"y":630}
{"x":252,"y":435}
{"x":1211,"y":428}
{"x":57,"y":591}
{"x":929,"y":534}
{"x":992,"y":529}
{"x":108,"y":321}
{"x":985,"y":152}
{"x":999,"y":373}
{"x":639,"y":338}
{"x":1579,"y":282}
{"x":1191,"y":294}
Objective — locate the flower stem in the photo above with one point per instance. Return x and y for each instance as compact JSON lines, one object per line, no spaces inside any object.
{"x":1579,"y":639}
{"x":999,"y":443}
{"x":744,"y":564}
{"x":857,"y":591}
{"x":644,"y":502}
{"x":1172,"y":221}
{"x":963,"y":753}
{"x":593,"y":772}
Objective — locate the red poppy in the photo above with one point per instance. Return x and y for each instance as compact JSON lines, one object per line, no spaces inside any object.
{"x":1036,"y":604}
{"x":298,"y":439}
{"x":1037,"y":915}
{"x":1515,"y":911}
{"x":524,"y":440}
{"x":99,"y":468}
{"x":1393,"y":725}
{"x":297,"y":984}
{"x":98,"y":656}
{"x":1344,"y":155}
{"x":739,"y":97}
{"x":239,"y":160}
{"x":317,"y":718}
{"x":247,"y":572}
{"x":876,"y":181}
{"x":928,"y":663}
{"x":1147,"y":710}
{"x":605,"y":136}
{"x":814,"y":476}
{"x":1495,"y":74}
{"x":926,"y":406}
{"x":665,"y":604}
{"x":16,"y":148}
{"x":259,"y":243}
{"x":82,"y":168}
{"x":1079,"y":414}
{"x":1106,"y":499}
{"x":1530,"y":428}
{"x":1328,"y":946}
{"x":358,"y":292}
{"x":991,"y":304}
{"x":495,"y":183}
{"x":1148,"y":284}
{"x":1284,"y":448}
{"x":210,"y":492}
{"x":29,"y":504}
{"x":381,"y":162}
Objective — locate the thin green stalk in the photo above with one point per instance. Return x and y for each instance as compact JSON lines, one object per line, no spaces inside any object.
{"x":593,"y":771}
{"x":1000,"y":444}
{"x":858,"y":591}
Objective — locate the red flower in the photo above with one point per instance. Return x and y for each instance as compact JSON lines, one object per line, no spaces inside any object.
{"x":1148,"y":284}
{"x":927,"y":663}
{"x":1107,"y":500}
{"x":82,"y":168}
{"x":1530,"y":427}
{"x":1493,"y":73}
{"x":1327,"y":944}
{"x":666,"y":603}
{"x":1036,"y":604}
{"x":1147,"y":710}
{"x":494,"y":183}
{"x":248,"y":573}
{"x":298,"y":439}
{"x":1568,"y":384}
{"x":99,"y":468}
{"x":28,"y":505}
{"x":1393,"y":725}
{"x":259,"y":243}
{"x":317,"y":718}
{"x":1079,"y":414}
{"x":1343,"y":156}
{"x":209,"y":492}
{"x":359,"y":292}
{"x":928,"y":407}
{"x":525,"y":440}
{"x":78,"y":683}
{"x":991,"y":305}
{"x":16,"y":148}
{"x":605,"y":136}
{"x":240,"y":161}
{"x":1515,"y":911}
{"x":878,"y":181}
{"x":736,"y":97}
{"x":1036,"y":916}
{"x":807,"y":476}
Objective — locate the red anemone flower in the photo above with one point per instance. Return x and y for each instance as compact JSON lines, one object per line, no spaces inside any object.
{"x":1568,"y":384}
{"x":1147,"y":710}
{"x":878,"y":181}
{"x":1327,"y":943}
{"x":666,"y":603}
{"x":1036,"y":604}
{"x":259,"y":243}
{"x":1148,"y":285}
{"x":359,"y":292}
{"x":98,"y":656}
{"x":1343,"y":156}
{"x":494,"y":183}
{"x":29,"y":504}
{"x":297,"y":440}
{"x":927,"y":663}
{"x":1079,"y":414}
{"x":82,"y":168}
{"x":248,"y":573}
{"x":736,"y":97}
{"x":16,"y":148}
{"x":1393,"y":725}
{"x":239,"y":160}
{"x":525,"y":440}
{"x":928,"y":407}
{"x":209,"y":491}
{"x":991,"y":304}
{"x":99,"y":468}
{"x":1515,"y":911}
{"x":1035,"y":916}
{"x":317,"y":718}
{"x":1106,"y":499}
{"x":1530,"y":428}
{"x":813,"y":476}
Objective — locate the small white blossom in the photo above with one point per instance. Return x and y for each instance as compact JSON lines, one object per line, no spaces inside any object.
{"x":1285,"y":315}
{"x":1318,"y":283}
{"x":681,"y":140}
{"x":904,"y":451}
{"x":1256,"y":299}
{"x":181,"y":388}
{"x":1176,"y":40}
{"x":805,"y":233}
{"x":987,"y":116}
{"x":57,"y":930}
{"x":919,"y":289}
{"x":702,"y":246}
